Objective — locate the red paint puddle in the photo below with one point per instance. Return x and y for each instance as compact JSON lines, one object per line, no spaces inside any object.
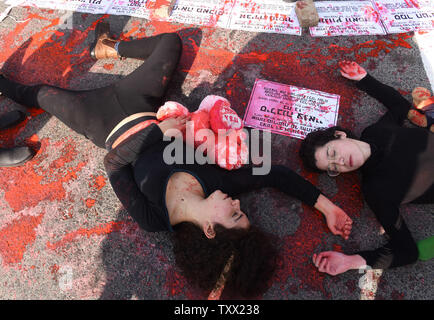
{"x":16,"y":237}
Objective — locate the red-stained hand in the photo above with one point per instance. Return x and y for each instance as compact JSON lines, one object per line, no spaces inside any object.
{"x":339,"y":222}
{"x":351,"y":70}
{"x":332,"y":262}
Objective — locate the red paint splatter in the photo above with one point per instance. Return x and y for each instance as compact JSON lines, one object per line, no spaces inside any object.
{"x":25,"y":186}
{"x":99,"y":182}
{"x":90,"y":202}
{"x":16,"y":237}
{"x":102,"y":229}
{"x":176,"y":285}
{"x":109,"y":66}
{"x":54,"y":269}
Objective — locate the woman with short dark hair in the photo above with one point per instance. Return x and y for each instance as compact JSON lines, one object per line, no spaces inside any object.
{"x":397,"y":167}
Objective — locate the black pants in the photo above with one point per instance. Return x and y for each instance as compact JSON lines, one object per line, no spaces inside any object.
{"x":94,"y":113}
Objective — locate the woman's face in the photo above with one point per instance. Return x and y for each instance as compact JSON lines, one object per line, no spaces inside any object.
{"x":340,"y":155}
{"x":226,"y":211}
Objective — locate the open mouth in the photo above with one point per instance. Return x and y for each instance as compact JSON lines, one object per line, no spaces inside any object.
{"x":351,"y":162}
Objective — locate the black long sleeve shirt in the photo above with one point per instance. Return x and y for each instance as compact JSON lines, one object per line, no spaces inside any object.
{"x":399,"y":170}
{"x":139,"y":176}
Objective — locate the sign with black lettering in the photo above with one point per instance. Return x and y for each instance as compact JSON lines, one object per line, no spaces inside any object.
{"x":213,"y":13}
{"x":89,"y":6}
{"x":290,"y":110}
{"x":400,"y":16}
{"x":132,"y":8}
{"x":347,"y":18}
{"x":265,"y":16}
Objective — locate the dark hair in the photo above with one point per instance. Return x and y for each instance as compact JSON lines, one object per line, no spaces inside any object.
{"x":202,"y":260}
{"x":317,"y":139}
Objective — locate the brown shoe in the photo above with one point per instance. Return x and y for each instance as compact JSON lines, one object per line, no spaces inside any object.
{"x":104,"y":46}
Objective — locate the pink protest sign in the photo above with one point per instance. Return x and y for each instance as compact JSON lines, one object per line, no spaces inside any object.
{"x":290,"y":110}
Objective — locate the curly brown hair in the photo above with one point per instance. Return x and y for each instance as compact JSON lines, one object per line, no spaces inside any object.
{"x":202,"y":260}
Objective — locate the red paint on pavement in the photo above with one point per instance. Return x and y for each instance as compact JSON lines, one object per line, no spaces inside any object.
{"x":99,"y":182}
{"x":16,"y":237}
{"x":90,"y":202}
{"x":109,"y":66}
{"x":26,"y":186}
{"x":103,"y":229}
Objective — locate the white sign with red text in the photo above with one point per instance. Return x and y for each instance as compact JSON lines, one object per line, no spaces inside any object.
{"x":400,"y":16}
{"x":88,"y":6}
{"x":265,"y":16}
{"x":212,"y":13}
{"x":347,"y":18}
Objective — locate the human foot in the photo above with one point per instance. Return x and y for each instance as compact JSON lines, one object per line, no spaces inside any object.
{"x":103,"y":46}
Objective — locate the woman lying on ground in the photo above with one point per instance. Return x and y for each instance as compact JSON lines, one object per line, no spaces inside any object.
{"x":193,"y":200}
{"x":397,"y":167}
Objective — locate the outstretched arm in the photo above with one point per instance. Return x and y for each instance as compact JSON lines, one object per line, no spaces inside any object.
{"x":397,"y":105}
{"x":292,"y":184}
{"x":399,"y":251}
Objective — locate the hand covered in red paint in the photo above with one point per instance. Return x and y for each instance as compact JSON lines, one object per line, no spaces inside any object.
{"x":351,"y":70}
{"x":337,"y":220}
{"x":339,"y":223}
{"x":335,"y":263}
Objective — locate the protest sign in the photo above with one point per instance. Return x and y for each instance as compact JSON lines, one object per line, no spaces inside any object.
{"x":290,"y":110}
{"x":213,"y":13}
{"x":52,"y":4}
{"x":88,"y":6}
{"x":133,"y":8}
{"x":346,"y":18}
{"x":265,"y":16}
{"x":406,"y":15}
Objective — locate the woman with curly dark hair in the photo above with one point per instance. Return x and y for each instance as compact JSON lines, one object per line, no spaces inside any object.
{"x":192,"y":199}
{"x":397,"y":167}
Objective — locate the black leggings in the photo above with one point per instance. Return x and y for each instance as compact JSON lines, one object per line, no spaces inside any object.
{"x":94,"y":113}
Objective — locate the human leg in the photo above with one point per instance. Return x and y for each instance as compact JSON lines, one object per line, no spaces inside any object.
{"x":79,"y":110}
{"x":146,"y":86}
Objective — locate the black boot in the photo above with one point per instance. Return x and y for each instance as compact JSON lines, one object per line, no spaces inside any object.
{"x":11,"y":118}
{"x":12,"y":157}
